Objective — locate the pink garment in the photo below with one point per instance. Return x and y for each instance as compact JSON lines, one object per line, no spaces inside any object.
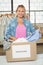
{"x":20,"y":31}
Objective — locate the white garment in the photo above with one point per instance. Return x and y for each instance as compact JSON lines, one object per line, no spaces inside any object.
{"x":20,"y":40}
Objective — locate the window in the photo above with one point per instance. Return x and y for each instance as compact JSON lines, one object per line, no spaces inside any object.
{"x":39,"y":17}
{"x":5,"y":6}
{"x":34,"y":7}
{"x":36,"y":11}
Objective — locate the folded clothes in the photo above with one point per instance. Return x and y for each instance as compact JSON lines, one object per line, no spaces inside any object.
{"x":34,"y":37}
{"x":20,"y":40}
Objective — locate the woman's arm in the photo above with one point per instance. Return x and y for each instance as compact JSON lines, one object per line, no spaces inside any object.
{"x":10,"y":30}
{"x":12,"y":38}
{"x":30,"y":28}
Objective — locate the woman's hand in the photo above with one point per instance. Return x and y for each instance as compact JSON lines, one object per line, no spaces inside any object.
{"x":12,"y":38}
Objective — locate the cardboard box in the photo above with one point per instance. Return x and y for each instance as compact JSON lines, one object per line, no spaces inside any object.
{"x":22,"y":52}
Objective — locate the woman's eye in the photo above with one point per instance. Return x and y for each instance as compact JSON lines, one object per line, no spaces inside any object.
{"x":20,"y":11}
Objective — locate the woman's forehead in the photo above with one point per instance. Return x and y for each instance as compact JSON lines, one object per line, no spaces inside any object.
{"x":21,"y":9}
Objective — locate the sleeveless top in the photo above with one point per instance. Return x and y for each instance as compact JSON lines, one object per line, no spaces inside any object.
{"x":20,"y":31}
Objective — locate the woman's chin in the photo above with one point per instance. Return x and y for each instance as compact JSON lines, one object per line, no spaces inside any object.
{"x":20,"y":16}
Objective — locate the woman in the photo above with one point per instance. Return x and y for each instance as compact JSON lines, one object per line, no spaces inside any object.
{"x":19,"y":26}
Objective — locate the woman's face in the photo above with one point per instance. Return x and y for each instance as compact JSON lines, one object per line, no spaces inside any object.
{"x":20,"y":12}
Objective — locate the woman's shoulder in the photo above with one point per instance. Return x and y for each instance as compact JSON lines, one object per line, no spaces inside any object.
{"x":13,"y":20}
{"x":26,"y":20}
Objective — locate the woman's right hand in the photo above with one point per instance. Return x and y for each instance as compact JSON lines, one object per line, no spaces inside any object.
{"x":12,"y":38}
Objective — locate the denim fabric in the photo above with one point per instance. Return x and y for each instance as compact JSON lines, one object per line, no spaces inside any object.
{"x":11,"y":28}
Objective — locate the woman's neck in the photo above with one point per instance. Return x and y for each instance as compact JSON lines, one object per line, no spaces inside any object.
{"x":20,"y":21}
{"x":19,"y":18}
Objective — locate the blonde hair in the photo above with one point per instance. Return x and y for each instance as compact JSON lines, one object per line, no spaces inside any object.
{"x":22,"y":6}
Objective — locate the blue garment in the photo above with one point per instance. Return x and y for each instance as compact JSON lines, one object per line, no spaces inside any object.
{"x":34,"y":37}
{"x":11,"y":28}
